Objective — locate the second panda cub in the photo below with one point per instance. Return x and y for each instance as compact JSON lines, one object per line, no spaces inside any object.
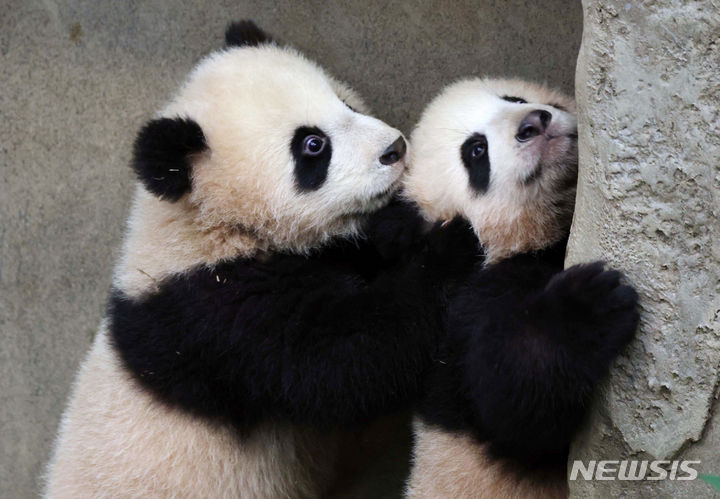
{"x":525,"y":341}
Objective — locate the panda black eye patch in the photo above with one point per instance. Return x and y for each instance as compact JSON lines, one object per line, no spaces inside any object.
{"x":515,"y":100}
{"x":474,"y":154}
{"x":311,"y":150}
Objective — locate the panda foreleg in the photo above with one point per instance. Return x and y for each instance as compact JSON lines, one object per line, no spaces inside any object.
{"x":533,"y":353}
{"x":294,"y":339}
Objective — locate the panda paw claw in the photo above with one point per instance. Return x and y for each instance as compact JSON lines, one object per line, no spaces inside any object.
{"x":598,"y":299}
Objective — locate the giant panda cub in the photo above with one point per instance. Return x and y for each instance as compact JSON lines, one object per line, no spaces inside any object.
{"x":242,"y":335}
{"x":525,"y":341}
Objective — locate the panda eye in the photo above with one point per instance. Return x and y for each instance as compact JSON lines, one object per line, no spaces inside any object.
{"x":475,"y":158}
{"x":313,"y":145}
{"x":478,"y":149}
{"x":514,"y":100}
{"x":311,"y":150}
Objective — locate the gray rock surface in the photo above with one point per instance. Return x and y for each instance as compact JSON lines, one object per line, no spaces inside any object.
{"x":648,"y":89}
{"x":78,"y":78}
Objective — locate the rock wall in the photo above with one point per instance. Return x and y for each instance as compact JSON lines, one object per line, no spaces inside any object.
{"x":648,"y":90}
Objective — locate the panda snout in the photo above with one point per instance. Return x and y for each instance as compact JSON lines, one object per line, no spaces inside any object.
{"x":394,"y":152}
{"x":533,"y":124}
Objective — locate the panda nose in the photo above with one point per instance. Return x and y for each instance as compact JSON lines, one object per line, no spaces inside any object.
{"x":535,"y":123}
{"x":394,"y":153}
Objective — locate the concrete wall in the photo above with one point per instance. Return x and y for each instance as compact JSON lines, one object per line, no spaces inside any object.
{"x":648,"y":88}
{"x":78,"y":78}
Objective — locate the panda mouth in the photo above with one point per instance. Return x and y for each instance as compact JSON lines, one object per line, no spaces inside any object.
{"x":388,"y":191}
{"x":374,"y":202}
{"x":536,"y":172}
{"x":563,"y":157}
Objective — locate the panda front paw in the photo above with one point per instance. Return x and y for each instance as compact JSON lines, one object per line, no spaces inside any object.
{"x":605,"y":310}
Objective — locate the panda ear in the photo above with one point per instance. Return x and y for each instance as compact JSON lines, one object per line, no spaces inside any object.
{"x":245,"y":33}
{"x":161,"y":155}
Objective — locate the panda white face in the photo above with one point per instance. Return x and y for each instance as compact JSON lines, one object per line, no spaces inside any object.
{"x":290,"y":157}
{"x":503,"y":154}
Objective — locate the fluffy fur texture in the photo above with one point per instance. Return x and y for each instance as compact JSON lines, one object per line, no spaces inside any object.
{"x":291,"y":338}
{"x":235,"y":327}
{"x":116,"y":440}
{"x":509,"y":214}
{"x":243,"y":199}
{"x":162,"y":154}
{"x":525,"y":341}
{"x":462,"y":469}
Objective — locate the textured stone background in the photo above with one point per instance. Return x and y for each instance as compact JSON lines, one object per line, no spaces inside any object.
{"x":648,"y":88}
{"x":78,"y":78}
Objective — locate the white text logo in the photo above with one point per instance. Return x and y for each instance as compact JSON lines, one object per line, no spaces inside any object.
{"x":634,"y":470}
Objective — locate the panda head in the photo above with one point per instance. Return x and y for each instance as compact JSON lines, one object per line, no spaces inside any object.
{"x":501,"y":153}
{"x":261,"y":141}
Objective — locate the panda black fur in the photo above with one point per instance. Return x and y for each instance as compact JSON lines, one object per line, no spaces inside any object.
{"x":246,"y":326}
{"x":525,"y":341}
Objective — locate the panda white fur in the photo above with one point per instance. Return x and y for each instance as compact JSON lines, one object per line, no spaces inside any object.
{"x":525,"y":342}
{"x":236,"y":349}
